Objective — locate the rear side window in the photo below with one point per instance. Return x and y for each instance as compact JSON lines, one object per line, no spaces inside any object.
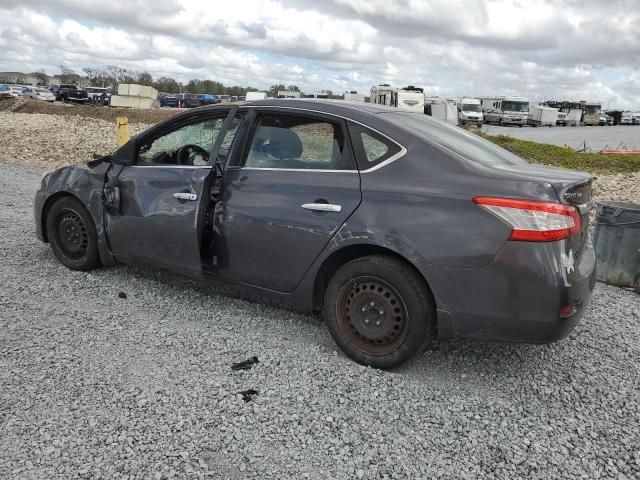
{"x":468,"y":145}
{"x":297,"y":142}
{"x":371,"y":147}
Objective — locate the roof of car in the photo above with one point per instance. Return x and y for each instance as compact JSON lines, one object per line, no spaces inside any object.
{"x":324,"y":105}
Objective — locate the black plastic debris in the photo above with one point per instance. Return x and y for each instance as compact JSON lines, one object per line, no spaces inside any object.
{"x":122,"y":295}
{"x":245,"y":365}
{"x":247,"y":395}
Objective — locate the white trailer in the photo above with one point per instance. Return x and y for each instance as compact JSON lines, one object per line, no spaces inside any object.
{"x":470,"y":111}
{"x":408,"y":98}
{"x":505,"y":110}
{"x":442,"y":108}
{"x":540,"y":116}
{"x":384,"y":94}
{"x":288,"y":94}
{"x":354,"y":97}
{"x":252,"y":96}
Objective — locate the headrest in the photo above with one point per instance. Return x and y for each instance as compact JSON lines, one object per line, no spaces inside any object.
{"x":283,"y":143}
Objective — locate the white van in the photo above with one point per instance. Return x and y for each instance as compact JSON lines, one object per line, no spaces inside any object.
{"x":470,"y":111}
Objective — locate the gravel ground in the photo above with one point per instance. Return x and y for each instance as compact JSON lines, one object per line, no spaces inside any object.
{"x":62,"y":140}
{"x":97,"y":386}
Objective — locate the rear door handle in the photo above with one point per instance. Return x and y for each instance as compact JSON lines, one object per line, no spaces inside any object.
{"x":185,"y":196}
{"x":322,"y":207}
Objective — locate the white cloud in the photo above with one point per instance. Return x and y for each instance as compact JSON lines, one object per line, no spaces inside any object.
{"x":564,"y":48}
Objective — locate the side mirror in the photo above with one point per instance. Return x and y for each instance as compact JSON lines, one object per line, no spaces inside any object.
{"x":125,"y":155}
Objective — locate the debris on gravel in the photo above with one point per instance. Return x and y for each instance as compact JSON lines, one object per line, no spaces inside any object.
{"x":93,"y":387}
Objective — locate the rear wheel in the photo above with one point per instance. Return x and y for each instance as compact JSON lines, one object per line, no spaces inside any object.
{"x":72,"y":234}
{"x":379,"y":311}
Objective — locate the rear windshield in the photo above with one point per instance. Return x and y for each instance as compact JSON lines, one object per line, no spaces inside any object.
{"x":469,"y":145}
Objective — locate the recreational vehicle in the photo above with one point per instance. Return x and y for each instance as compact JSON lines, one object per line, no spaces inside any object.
{"x":288,"y":94}
{"x":505,"y":110}
{"x":591,"y":113}
{"x":470,"y":111}
{"x":441,"y":108}
{"x":408,"y":98}
{"x":252,"y":96}
{"x":354,"y":96}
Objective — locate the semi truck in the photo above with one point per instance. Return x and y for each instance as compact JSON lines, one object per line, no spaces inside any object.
{"x":505,"y":110}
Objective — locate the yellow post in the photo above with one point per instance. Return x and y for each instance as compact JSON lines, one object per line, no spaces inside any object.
{"x":122,"y":126}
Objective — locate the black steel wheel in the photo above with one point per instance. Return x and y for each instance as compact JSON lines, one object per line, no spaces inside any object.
{"x":380,"y":311}
{"x":72,"y":234}
{"x":372,"y":314}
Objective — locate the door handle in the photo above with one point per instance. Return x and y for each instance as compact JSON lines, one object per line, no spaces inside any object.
{"x":322,"y":207}
{"x":185,"y":196}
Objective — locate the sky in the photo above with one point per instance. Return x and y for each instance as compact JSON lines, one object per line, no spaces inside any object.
{"x":542,"y":49}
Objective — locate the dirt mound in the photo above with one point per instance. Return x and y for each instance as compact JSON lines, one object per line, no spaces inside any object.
{"x":135,"y":115}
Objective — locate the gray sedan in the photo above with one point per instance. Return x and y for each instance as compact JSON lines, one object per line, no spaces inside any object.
{"x":399,"y":228}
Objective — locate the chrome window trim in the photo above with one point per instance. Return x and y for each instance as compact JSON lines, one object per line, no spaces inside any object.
{"x":168,"y":166}
{"x":393,"y":158}
{"x":308,"y":170}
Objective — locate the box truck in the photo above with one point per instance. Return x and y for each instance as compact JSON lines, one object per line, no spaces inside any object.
{"x":541,"y":116}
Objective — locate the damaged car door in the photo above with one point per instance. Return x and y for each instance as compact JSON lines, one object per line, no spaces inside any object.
{"x":284,"y":197}
{"x":160,"y":209}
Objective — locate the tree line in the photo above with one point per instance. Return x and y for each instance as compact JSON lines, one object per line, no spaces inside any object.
{"x":112,"y":75}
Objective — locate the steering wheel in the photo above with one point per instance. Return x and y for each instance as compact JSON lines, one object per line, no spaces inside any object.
{"x":187,"y":153}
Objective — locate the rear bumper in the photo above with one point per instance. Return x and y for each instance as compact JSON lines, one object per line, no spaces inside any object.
{"x":517,"y":298}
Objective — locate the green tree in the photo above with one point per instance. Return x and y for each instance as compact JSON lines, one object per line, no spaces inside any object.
{"x":145,"y":78}
{"x":274,"y":89}
{"x":293,"y":88}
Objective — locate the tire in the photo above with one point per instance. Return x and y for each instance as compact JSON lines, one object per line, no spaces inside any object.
{"x":386,"y":323}
{"x":72,"y":234}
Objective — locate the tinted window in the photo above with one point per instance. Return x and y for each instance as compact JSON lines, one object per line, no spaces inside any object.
{"x":371,"y":147}
{"x":468,"y":145}
{"x":287,"y":141}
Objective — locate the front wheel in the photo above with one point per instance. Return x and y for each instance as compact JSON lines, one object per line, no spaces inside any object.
{"x":72,"y":234}
{"x":379,"y":311}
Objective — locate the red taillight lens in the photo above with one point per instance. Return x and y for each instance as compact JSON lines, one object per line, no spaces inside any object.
{"x":531,"y":220}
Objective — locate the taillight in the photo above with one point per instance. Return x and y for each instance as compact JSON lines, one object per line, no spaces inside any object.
{"x":531,"y":220}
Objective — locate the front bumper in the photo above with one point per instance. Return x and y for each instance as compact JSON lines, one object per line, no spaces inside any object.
{"x":516,"y":298}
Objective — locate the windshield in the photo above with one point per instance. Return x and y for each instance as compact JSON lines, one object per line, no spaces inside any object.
{"x":469,"y":145}
{"x":511,"y":106}
{"x":592,"y":109}
{"x":467,"y":107}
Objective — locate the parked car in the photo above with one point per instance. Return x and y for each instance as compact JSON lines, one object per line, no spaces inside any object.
{"x":69,"y":93}
{"x":635,"y":118}
{"x":38,"y":93}
{"x":15,"y":90}
{"x":99,"y":95}
{"x":167,"y":100}
{"x":207,"y":99}
{"x":626,"y":119}
{"x":4,"y":90}
{"x":187,"y":100}
{"x":400,"y":228}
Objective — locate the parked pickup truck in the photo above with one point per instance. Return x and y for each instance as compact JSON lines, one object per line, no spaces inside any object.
{"x":69,"y":93}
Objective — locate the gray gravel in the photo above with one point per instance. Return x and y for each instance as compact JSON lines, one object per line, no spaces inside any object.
{"x":95,"y":386}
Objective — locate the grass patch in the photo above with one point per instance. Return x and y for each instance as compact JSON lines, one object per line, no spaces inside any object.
{"x":564,"y":157}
